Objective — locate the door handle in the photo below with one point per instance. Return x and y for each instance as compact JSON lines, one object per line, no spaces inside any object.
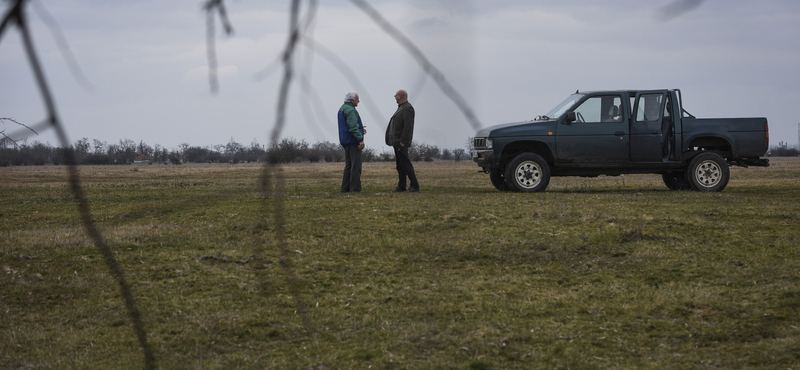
{"x":619,"y":133}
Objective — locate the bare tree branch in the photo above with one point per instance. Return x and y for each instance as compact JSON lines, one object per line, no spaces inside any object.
{"x":272,"y":172}
{"x":288,"y":72}
{"x":63,"y":46}
{"x":333,"y":59}
{"x":13,"y":121}
{"x":28,"y":130}
{"x":16,"y":16}
{"x":11,"y":16}
{"x":427,"y":66}
{"x":311,"y":111}
{"x":11,"y":138}
{"x":213,"y":82}
{"x":267,"y":71}
{"x":676,"y":9}
{"x":210,"y":6}
{"x":312,"y":103}
{"x":349,"y":74}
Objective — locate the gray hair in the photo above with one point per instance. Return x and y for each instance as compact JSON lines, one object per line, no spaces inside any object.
{"x":350,"y":96}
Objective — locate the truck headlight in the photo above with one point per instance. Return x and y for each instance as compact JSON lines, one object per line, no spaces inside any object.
{"x":489,"y":143}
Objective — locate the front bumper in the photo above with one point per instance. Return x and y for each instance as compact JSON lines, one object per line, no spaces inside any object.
{"x":483,"y":157}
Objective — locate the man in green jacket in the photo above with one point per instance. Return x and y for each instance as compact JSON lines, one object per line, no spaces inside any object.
{"x":351,"y":136}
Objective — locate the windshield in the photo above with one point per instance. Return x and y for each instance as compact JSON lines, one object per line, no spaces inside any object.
{"x":561,"y":108}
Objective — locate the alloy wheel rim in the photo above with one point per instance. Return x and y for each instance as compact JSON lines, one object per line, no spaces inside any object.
{"x":528,"y":175}
{"x":708,"y":174}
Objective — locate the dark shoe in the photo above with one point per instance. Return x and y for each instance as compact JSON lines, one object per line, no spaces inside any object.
{"x":398,"y":190}
{"x":413,"y":190}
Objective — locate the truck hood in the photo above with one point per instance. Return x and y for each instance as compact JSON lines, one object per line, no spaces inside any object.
{"x":524,"y":128}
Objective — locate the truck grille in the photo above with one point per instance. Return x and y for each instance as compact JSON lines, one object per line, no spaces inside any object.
{"x":479,"y":142}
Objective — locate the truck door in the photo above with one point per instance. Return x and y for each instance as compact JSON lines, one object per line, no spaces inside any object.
{"x":650,"y":120}
{"x":599,"y":134}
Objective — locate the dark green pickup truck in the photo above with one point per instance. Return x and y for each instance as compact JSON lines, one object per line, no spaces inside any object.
{"x":621,"y":132}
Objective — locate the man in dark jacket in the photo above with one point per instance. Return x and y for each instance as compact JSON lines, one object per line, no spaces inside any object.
{"x":351,"y":136}
{"x":399,"y":135}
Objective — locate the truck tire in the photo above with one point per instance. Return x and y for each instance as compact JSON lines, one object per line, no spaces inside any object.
{"x":708,"y":172}
{"x":676,"y":181}
{"x":498,"y":179}
{"x":527,"y":173}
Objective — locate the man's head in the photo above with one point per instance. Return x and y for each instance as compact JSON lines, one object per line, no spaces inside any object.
{"x":352,"y":98}
{"x":401,"y":96}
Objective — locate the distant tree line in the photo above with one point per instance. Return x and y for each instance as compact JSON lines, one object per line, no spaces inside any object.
{"x":126,"y":151}
{"x":783,"y":150}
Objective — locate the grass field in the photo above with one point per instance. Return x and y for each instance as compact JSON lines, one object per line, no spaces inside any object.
{"x":603,"y":273}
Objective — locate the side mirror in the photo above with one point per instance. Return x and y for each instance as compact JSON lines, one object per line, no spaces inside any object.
{"x":571,"y":117}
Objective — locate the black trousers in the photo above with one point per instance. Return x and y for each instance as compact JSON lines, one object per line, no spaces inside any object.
{"x":404,"y":168}
{"x":351,"y":180}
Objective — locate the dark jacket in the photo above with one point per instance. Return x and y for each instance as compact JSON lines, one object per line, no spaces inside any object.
{"x":351,"y":130}
{"x":401,"y":126}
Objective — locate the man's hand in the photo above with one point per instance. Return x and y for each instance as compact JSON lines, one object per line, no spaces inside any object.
{"x":402,"y":145}
{"x":361,"y":145}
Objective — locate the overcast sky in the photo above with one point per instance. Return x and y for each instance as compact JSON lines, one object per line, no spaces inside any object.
{"x":512,"y":60}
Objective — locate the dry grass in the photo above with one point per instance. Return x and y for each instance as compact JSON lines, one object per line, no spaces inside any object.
{"x":612,"y":272}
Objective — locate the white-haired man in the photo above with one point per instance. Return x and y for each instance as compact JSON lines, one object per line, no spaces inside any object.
{"x":351,"y":136}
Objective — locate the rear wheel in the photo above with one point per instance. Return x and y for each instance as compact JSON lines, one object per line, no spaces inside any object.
{"x":676,"y":181}
{"x":498,"y":179}
{"x":708,"y":172}
{"x":527,"y":173}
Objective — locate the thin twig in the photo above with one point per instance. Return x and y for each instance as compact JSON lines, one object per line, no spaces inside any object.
{"x":420,"y":57}
{"x":18,"y":16}
{"x":212,"y":53}
{"x":676,"y":9}
{"x":210,"y":7}
{"x":63,"y":46}
{"x":21,"y":124}
{"x":271,"y":171}
{"x":349,"y":74}
{"x":10,"y":138}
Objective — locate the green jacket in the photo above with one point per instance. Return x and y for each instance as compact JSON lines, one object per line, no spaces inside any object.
{"x":351,"y":130}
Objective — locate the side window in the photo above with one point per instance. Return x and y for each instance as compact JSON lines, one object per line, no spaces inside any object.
{"x":600,"y":109}
{"x":649,"y":109}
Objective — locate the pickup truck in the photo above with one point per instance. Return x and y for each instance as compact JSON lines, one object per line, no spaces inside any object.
{"x":620,"y":132}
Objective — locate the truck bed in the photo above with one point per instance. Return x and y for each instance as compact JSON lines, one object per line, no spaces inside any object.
{"x":745,"y":137}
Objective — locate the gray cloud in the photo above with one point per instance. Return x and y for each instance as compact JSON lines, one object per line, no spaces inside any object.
{"x":512,"y":60}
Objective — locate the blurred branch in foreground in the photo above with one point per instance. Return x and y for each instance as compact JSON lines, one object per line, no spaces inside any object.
{"x":211,"y":7}
{"x":676,"y":9}
{"x":426,"y":65}
{"x":16,"y":16}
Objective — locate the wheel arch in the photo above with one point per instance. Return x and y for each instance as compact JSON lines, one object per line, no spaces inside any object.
{"x":512,"y":150}
{"x":711,"y":143}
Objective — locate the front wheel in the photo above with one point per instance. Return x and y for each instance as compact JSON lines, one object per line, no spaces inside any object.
{"x":708,"y":172}
{"x":498,"y":179}
{"x":528,"y":173}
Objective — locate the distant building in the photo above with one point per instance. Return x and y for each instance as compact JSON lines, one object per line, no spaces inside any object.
{"x":141,"y":158}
